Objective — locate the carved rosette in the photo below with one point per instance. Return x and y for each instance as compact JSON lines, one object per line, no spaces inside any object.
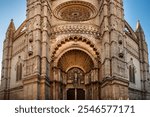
{"x":75,"y":11}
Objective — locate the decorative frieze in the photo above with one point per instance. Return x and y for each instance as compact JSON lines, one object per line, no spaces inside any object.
{"x":76,"y":28}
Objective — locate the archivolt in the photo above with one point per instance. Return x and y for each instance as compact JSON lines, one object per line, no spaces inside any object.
{"x":75,"y":38}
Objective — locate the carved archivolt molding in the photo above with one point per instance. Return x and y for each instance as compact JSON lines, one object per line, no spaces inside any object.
{"x":75,"y":58}
{"x":76,"y":28}
{"x":75,"y":11}
{"x":76,"y":38}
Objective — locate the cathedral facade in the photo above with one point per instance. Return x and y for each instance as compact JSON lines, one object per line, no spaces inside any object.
{"x":75,"y":50}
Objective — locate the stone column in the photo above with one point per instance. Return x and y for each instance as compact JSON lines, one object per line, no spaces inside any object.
{"x":57,"y":83}
{"x":94,"y":84}
{"x":32,"y":75}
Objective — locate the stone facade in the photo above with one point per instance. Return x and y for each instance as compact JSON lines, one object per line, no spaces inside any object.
{"x":75,"y":49}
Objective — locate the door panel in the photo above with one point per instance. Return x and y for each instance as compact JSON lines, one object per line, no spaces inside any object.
{"x":80,"y":94}
{"x":75,"y":94}
{"x":71,"y":94}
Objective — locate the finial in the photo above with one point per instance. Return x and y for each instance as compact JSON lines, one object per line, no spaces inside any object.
{"x":138,"y":27}
{"x":12,"y":20}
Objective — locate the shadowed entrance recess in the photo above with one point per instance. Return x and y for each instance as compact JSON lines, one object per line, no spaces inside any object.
{"x":76,"y":65}
{"x":75,"y":94}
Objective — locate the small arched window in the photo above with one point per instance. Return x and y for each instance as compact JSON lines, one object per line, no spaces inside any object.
{"x":132,"y":72}
{"x":19,"y":72}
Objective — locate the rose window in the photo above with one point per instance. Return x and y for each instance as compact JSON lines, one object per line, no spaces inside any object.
{"x":75,"y":11}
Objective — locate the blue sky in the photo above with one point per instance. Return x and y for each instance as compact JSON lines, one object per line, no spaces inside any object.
{"x":16,"y":9}
{"x":138,"y":10}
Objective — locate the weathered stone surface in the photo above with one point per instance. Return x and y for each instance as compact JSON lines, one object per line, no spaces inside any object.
{"x":72,"y":49}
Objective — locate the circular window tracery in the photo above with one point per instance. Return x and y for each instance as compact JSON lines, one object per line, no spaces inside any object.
{"x":75,"y":11}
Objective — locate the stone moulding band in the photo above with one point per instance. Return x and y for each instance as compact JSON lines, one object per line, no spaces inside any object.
{"x":76,"y":28}
{"x":76,"y":38}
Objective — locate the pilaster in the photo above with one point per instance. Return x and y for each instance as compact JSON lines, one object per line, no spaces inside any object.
{"x":114,"y":46}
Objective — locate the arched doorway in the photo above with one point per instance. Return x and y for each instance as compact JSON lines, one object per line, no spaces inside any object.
{"x":75,"y":76}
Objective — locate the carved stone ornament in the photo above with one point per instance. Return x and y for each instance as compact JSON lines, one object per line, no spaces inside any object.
{"x":30,"y":50}
{"x":76,"y":75}
{"x":30,"y":37}
{"x":76,"y":28}
{"x":75,"y":11}
{"x":121,"y":52}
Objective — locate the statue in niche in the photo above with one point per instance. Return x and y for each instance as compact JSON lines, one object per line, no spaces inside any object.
{"x":76,"y":76}
{"x":76,"y":79}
